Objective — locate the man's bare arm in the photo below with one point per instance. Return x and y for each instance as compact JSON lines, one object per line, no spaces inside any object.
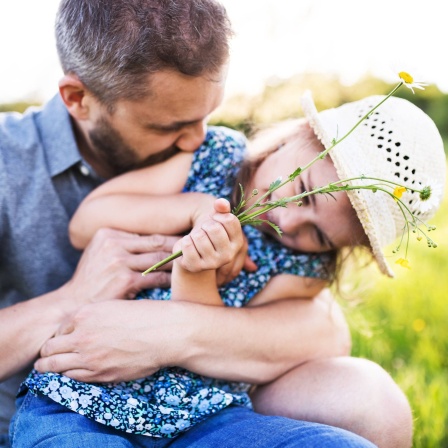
{"x":250,"y":344}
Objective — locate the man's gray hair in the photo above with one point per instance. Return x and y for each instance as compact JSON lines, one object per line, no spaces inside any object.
{"x":113,"y":45}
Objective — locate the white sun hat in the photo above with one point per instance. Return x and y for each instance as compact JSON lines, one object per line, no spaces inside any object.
{"x":397,"y":142}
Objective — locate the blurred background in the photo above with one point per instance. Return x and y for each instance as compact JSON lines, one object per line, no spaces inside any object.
{"x":342,"y":51}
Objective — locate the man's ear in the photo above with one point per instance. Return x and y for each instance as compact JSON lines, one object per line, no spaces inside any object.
{"x":75,"y":96}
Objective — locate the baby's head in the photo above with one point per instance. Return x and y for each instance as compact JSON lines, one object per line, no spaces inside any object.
{"x":398,"y":142}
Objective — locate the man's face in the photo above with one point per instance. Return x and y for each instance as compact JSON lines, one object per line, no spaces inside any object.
{"x":146,"y":131}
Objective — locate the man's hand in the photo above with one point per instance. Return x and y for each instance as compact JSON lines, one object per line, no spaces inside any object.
{"x":111,"y":267}
{"x":123,"y":340}
{"x":114,"y":341}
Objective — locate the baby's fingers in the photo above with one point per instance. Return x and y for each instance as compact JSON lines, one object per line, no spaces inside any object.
{"x":233,"y":229}
{"x":207,"y":247}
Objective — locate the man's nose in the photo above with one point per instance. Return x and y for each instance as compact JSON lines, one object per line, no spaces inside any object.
{"x":192,"y":136}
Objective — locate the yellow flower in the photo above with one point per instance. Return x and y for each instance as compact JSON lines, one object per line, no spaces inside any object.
{"x":409,"y":82}
{"x":403,"y":263}
{"x":406,"y":77}
{"x":398,"y":192}
{"x":418,"y":325}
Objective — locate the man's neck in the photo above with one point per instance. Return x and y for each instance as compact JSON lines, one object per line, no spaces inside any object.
{"x":87,"y":153}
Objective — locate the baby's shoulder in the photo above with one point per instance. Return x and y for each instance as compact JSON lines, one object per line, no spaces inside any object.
{"x":225,"y":142}
{"x":216,"y":163}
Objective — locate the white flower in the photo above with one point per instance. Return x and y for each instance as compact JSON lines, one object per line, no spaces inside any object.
{"x":204,"y":405}
{"x":53,"y":385}
{"x":132,"y":402}
{"x":85,"y":400}
{"x":217,"y":398}
{"x":182,"y":424}
{"x":410,"y":83}
{"x":164,"y":410}
{"x":66,"y":392}
{"x":433,"y":202}
{"x":167,"y":429}
{"x":203,"y":393}
{"x":423,"y":208}
{"x":55,"y":397}
{"x":95,"y":391}
{"x":172,"y":400}
{"x":74,"y":405}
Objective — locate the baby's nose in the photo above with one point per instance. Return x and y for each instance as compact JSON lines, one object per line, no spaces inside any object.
{"x":291,"y":219}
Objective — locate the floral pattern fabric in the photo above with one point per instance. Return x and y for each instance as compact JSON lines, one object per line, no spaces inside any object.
{"x":174,"y":399}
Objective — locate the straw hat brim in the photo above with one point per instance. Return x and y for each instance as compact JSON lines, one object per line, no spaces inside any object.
{"x":328,"y":125}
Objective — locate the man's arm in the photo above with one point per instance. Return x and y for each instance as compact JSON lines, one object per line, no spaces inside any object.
{"x":248,"y":344}
{"x":109,"y":269}
{"x":258,"y":344}
{"x":24,"y":328}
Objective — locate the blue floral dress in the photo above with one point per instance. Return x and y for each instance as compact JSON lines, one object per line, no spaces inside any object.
{"x":174,"y":399}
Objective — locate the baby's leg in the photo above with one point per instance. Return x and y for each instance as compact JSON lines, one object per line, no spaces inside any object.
{"x":350,"y":393}
{"x":41,"y":422}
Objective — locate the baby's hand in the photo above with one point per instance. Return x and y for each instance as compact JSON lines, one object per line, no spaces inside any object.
{"x":214,"y":242}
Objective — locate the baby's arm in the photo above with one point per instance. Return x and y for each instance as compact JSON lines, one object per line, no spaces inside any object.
{"x":210,"y":245}
{"x":289,"y":286}
{"x":138,"y":213}
{"x":146,"y":201}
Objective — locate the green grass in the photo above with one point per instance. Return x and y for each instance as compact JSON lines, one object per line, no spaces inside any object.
{"x":401,"y":324}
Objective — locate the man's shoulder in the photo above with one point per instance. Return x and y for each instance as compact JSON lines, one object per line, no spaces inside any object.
{"x":19,"y":143}
{"x":25,"y":129}
{"x":18,"y":128}
{"x":40,"y":138}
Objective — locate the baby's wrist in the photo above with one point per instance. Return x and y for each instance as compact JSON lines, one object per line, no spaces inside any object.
{"x":204,"y":208}
{"x":192,"y":286}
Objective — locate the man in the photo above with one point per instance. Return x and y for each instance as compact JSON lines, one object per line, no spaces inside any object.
{"x":140,"y":79}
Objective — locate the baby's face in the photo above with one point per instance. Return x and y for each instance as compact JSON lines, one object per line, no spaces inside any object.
{"x":323,"y":222}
